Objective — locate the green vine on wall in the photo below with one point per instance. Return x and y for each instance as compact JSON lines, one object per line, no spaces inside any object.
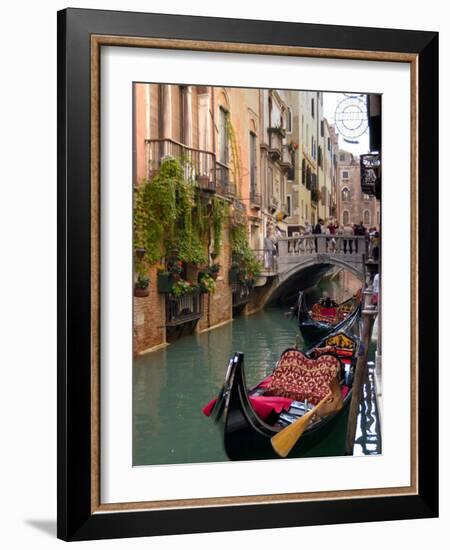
{"x":218,"y":215}
{"x":170,"y":218}
{"x":235,"y":153}
{"x":243,"y":256}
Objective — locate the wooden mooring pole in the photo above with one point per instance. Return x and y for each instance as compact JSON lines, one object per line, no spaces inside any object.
{"x":360,"y":375}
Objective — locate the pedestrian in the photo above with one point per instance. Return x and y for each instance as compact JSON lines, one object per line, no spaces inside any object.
{"x":348,"y":240}
{"x":376,"y":246}
{"x":339,"y":235}
{"x":376,"y":289}
{"x":318,"y":230}
{"x":331,"y":227}
{"x":308,"y":231}
{"x":269,"y":250}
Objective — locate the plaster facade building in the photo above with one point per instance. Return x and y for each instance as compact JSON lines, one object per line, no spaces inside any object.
{"x":354,"y":205}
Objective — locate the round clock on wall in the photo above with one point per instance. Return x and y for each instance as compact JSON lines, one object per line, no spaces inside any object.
{"x":350,"y":116}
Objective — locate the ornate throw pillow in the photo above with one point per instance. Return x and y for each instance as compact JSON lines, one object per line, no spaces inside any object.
{"x":298,"y":377}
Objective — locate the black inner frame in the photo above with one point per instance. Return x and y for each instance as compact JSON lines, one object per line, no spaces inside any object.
{"x":75,"y":521}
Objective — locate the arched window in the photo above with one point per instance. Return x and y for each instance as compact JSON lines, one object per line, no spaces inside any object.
{"x":345,"y":217}
{"x":345,"y":194}
{"x":366,"y":217}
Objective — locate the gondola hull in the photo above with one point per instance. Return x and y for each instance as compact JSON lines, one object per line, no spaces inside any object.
{"x":313,"y":331}
{"x":246,"y":436}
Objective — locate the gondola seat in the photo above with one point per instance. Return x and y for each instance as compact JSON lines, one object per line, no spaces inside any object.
{"x":298,"y":377}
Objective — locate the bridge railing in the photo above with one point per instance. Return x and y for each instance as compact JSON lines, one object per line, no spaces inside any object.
{"x":351,"y":246}
{"x":268,"y":261}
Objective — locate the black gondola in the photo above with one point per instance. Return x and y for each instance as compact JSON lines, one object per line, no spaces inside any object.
{"x":316,"y":324}
{"x":246,"y":436}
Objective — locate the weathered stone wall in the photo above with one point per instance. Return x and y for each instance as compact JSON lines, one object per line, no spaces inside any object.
{"x":149,"y":318}
{"x":217,"y":307}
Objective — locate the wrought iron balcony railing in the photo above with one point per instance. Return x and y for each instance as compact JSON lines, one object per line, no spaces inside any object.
{"x":199,"y":165}
{"x":255,"y":197}
{"x":183,"y":309}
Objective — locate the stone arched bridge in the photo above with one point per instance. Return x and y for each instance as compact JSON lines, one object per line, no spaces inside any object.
{"x":301,"y":261}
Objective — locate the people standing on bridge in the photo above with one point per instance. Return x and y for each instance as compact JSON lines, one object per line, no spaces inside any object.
{"x":339,"y":233}
{"x":269,"y":250}
{"x":376,"y":246}
{"x":360,"y":231}
{"x":332,"y":228}
{"x":348,"y":240}
{"x":308,"y":231}
{"x":319,"y":229}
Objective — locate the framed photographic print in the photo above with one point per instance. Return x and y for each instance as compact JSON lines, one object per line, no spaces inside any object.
{"x":247,"y":282}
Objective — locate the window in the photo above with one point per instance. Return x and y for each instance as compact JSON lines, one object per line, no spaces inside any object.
{"x":329,"y":144}
{"x":345,"y":194}
{"x":342,"y":157}
{"x":321,"y":128}
{"x":303,"y":172}
{"x":366,"y":217}
{"x":270,"y":182}
{"x":291,"y":171}
{"x":253,"y":187}
{"x":320,"y":157}
{"x":223,"y":136}
{"x":345,"y":217}
{"x":289,"y":121}
{"x":312,"y":107}
{"x":344,"y":174}
{"x":288,"y":202}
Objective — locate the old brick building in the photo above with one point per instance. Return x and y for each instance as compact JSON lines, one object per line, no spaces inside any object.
{"x":353,"y":205}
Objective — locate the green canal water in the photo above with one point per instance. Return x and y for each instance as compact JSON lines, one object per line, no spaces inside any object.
{"x":171,"y":386}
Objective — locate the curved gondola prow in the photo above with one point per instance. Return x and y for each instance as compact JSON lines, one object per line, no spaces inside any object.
{"x":245,"y":433}
{"x":302,"y":310}
{"x":221,"y":403}
{"x":350,"y":325}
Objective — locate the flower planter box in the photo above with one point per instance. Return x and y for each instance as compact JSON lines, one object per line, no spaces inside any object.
{"x":141,"y":292}
{"x":165,"y":283}
{"x":233,"y":276}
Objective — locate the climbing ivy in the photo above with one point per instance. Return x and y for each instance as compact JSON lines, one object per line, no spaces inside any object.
{"x":235,"y":153}
{"x":218,"y":214}
{"x":169,"y":216}
{"x":243,"y":256}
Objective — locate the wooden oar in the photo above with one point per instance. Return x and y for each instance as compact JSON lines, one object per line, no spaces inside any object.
{"x":285,"y":439}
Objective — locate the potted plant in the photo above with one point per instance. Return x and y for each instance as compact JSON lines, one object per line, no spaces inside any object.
{"x":165,"y":282}
{"x":182,"y":287}
{"x":213,"y":271}
{"x":207,"y":284}
{"x":175,"y":269}
{"x":141,"y":285}
{"x":279,"y":130}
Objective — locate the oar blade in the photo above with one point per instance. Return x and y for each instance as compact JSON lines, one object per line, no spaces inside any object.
{"x":284,"y":440}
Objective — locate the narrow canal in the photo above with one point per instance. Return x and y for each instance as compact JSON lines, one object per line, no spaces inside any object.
{"x":172,"y":385}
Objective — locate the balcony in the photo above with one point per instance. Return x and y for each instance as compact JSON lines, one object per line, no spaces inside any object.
{"x":275,"y":144}
{"x":286,"y":159}
{"x":224,"y":185}
{"x":182,"y":310}
{"x":200,"y":166}
{"x":255,"y":198}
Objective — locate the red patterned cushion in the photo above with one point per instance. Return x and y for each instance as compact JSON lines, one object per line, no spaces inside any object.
{"x":298,"y":377}
{"x":341,"y":352}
